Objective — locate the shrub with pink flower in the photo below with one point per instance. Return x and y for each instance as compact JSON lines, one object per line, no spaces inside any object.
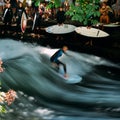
{"x":10,"y":96}
{"x":1,"y":69}
{"x":6,"y":97}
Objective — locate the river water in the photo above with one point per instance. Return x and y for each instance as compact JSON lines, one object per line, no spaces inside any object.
{"x":44,"y":95}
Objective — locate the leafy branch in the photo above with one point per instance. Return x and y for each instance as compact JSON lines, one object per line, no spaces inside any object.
{"x":84,"y":11}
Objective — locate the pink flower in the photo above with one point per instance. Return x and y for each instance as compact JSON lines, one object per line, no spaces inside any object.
{"x":10,"y":96}
{"x":1,"y":69}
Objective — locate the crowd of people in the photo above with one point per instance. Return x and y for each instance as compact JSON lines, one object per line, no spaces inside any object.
{"x":10,"y":16}
{"x":37,"y":15}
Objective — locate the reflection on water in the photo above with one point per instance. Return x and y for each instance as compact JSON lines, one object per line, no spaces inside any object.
{"x":43,"y":94}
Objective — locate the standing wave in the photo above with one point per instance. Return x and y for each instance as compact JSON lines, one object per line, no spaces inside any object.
{"x":43,"y":93}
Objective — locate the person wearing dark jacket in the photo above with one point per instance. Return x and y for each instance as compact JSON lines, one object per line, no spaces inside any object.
{"x":18,"y":14}
{"x":7,"y":17}
{"x":55,"y":59}
{"x":37,"y":19}
{"x":60,"y":16}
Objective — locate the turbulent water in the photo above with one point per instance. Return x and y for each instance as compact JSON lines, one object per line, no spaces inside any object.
{"x":44,"y":95}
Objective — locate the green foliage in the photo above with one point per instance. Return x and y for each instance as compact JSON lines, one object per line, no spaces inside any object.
{"x":37,"y":2}
{"x":54,"y":4}
{"x":86,"y":11}
{"x":2,"y":109}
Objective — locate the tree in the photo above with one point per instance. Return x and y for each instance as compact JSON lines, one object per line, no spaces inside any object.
{"x":84,"y":11}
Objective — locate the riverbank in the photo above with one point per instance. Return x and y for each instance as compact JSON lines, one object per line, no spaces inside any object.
{"x":108,"y":47}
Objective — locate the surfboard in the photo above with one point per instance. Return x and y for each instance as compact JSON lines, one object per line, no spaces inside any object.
{"x":34,"y":21}
{"x":91,"y":32}
{"x":72,"y":79}
{"x":117,"y":24}
{"x":60,"y":29}
{"x":23,"y":22}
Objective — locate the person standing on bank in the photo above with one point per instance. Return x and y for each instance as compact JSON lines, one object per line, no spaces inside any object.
{"x":116,"y":9}
{"x":60,"y":16}
{"x":55,"y":59}
{"x":18,"y":14}
{"x":7,"y":17}
{"x":37,"y":20}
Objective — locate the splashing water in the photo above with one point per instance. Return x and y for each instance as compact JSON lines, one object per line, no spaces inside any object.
{"x":43,"y":94}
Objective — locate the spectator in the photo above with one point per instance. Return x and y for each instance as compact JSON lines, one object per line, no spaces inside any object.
{"x":7,"y":17}
{"x":7,"y":1}
{"x":18,"y":14}
{"x":60,"y":16}
{"x":37,"y":19}
{"x":116,"y":8}
{"x":105,"y":10}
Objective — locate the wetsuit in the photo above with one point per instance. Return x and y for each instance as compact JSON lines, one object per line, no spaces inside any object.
{"x":55,"y":57}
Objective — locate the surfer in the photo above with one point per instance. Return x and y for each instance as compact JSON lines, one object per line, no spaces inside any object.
{"x":56,"y":55}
